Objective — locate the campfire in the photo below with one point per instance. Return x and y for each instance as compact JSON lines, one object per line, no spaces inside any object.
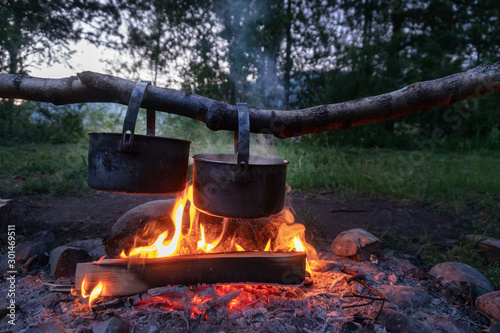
{"x":190,"y":253}
{"x":187,"y":251}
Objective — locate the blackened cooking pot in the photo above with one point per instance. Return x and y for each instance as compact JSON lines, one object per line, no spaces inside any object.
{"x":239,"y":185}
{"x":131,"y":163}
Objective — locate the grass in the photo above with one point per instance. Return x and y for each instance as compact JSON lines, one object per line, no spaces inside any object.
{"x":42,"y":169}
{"x":451,"y":177}
{"x":454,"y":178}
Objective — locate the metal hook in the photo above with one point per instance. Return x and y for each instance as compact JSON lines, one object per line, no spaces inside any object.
{"x":134,"y":105}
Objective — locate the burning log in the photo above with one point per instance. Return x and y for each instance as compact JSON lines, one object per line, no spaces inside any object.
{"x":95,"y":87}
{"x":131,"y":276}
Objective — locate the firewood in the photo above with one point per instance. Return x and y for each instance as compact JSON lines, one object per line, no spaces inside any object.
{"x":56,"y":287}
{"x":131,"y":276}
{"x":63,"y":260}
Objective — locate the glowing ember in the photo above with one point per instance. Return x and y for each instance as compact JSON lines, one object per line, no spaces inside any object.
{"x":199,"y":300}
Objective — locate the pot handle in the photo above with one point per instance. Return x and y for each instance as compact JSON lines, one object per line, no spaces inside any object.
{"x":243,"y":148}
{"x":134,"y":105}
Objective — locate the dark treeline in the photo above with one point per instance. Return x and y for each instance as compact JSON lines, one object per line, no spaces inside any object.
{"x":279,"y":54}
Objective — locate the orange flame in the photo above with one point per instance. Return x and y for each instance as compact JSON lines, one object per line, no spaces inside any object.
{"x":158,"y":249}
{"x":268,"y":246}
{"x":239,"y":248}
{"x":202,"y":245}
{"x":84,"y":287}
{"x":96,"y":291}
{"x":194,"y":237}
{"x":300,"y":248}
{"x":298,"y":244}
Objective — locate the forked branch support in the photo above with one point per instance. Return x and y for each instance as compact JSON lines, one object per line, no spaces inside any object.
{"x":95,"y":87}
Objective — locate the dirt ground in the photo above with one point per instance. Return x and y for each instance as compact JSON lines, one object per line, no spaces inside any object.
{"x":325,"y":216}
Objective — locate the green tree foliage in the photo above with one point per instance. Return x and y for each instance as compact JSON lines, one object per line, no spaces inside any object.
{"x":41,"y":31}
{"x":42,"y":122}
{"x":285,"y":53}
{"x":383,"y":45}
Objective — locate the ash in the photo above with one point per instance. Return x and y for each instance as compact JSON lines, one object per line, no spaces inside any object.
{"x":386,"y":294}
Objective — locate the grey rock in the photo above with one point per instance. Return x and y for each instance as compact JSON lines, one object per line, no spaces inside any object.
{"x":94,"y":247}
{"x":114,"y":325}
{"x":393,"y":321}
{"x":495,"y":328}
{"x":425,"y":322}
{"x":143,"y":221}
{"x":356,"y":244}
{"x":447,"y":325}
{"x":63,"y":260}
{"x":462,"y":278}
{"x":47,"y":328}
{"x":406,"y":296}
{"x":489,"y":304}
{"x":38,"y":246}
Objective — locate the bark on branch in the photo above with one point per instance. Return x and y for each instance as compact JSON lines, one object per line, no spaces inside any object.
{"x":95,"y":87}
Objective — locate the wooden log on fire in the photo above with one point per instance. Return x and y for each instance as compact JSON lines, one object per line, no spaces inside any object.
{"x":94,"y":87}
{"x":122,"y":277}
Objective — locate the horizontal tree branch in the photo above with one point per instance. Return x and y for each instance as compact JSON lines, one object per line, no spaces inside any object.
{"x":95,"y":87}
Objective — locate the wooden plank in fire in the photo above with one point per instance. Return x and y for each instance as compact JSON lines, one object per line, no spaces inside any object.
{"x":123,"y":277}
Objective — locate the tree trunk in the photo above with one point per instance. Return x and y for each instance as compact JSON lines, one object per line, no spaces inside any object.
{"x":288,"y":57}
{"x":95,"y":87}
{"x":393,"y":57}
